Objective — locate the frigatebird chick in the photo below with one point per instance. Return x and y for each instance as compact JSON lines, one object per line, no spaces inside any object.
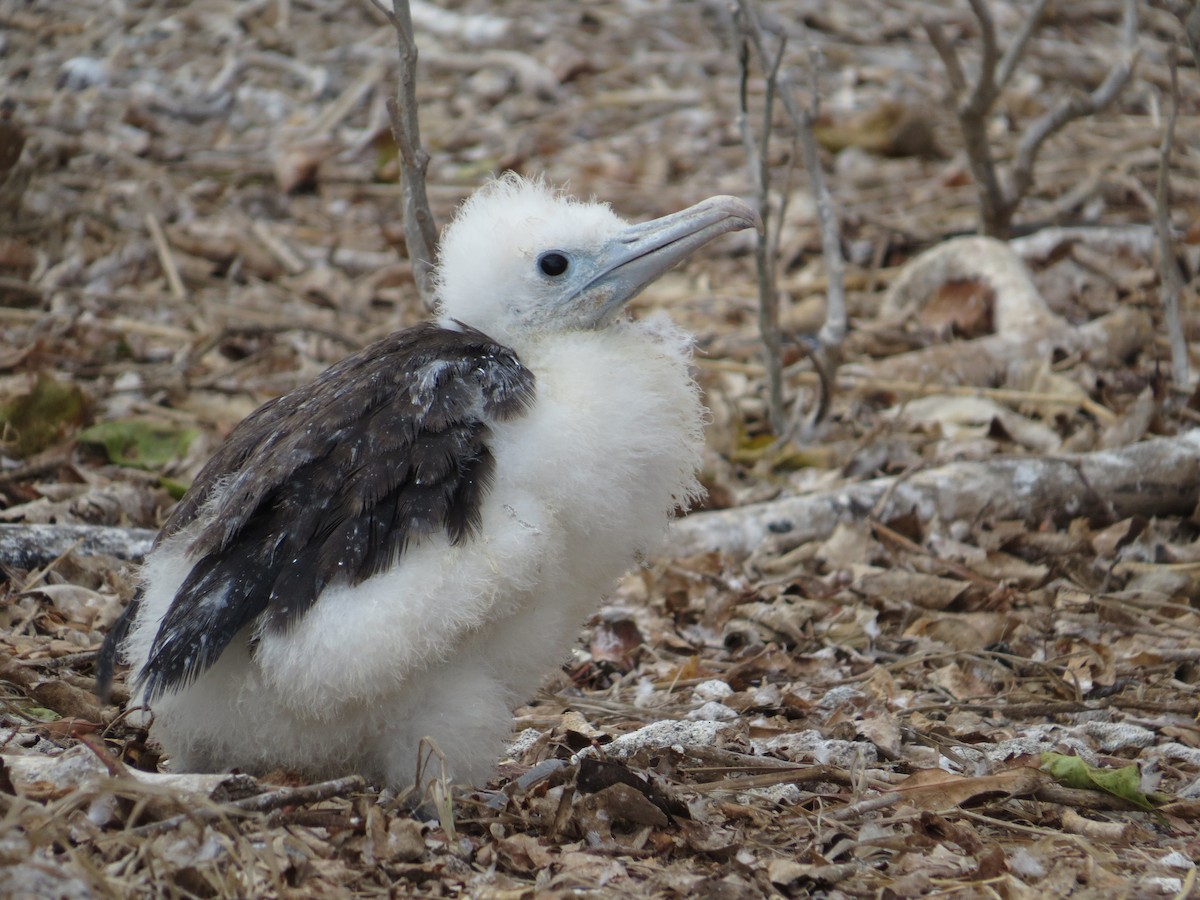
{"x":406,"y":546}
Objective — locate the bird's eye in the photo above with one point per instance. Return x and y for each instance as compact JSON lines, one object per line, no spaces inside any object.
{"x":553,"y":263}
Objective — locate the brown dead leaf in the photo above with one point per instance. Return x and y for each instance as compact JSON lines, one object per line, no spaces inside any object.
{"x":1108,"y":541}
{"x":12,"y":142}
{"x":51,"y":692}
{"x":297,"y":164}
{"x":882,"y":730}
{"x":1133,"y":423}
{"x":881,"y":685}
{"x":222,"y":242}
{"x":578,"y":732}
{"x":709,"y":838}
{"x":623,"y":803}
{"x":961,"y":684}
{"x":524,"y":853}
{"x":959,"y":308}
{"x":851,"y":544}
{"x":17,"y":260}
{"x":1000,"y":566}
{"x":1092,"y":665}
{"x":941,"y":829}
{"x":936,"y":789}
{"x":617,"y":641}
{"x":405,"y":840}
{"x":963,"y":631}
{"x":992,"y":863}
{"x":79,"y":605}
{"x":913,"y":588}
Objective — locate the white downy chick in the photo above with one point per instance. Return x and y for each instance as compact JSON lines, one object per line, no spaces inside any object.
{"x":406,"y":546}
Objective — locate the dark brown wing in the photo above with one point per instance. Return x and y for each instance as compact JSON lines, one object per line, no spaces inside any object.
{"x":331,"y":483}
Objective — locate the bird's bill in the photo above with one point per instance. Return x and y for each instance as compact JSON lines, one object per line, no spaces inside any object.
{"x":643,"y":252}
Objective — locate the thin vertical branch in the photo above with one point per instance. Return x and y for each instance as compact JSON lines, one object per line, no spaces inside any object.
{"x":780,"y":83}
{"x":972,"y":104}
{"x":420,"y":231}
{"x":833,"y":330}
{"x":984,"y":93}
{"x":1169,"y":275}
{"x":765,"y":257}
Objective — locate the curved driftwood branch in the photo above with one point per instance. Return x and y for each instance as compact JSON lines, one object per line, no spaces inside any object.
{"x":1155,"y":477}
{"x":1026,"y":328}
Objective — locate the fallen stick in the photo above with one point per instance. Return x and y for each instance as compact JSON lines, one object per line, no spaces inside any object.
{"x":988,"y":360}
{"x":31,"y":546}
{"x":1151,"y":478}
{"x":1025,"y":327}
{"x":295,"y":796}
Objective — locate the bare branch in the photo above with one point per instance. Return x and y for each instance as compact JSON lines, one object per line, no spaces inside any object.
{"x":780,"y":82}
{"x":999,"y":197}
{"x":1155,"y":477}
{"x":1169,"y":275}
{"x":388,"y":15}
{"x":833,"y":331}
{"x":985,"y":91}
{"x":420,"y":232}
{"x":1191,"y":27}
{"x":972,"y":118}
{"x":766,"y":256}
{"x":30,"y":546}
{"x":945,"y":49}
{"x":758,"y":153}
{"x":1016,"y":50}
{"x":1077,"y":107}
{"x":259,"y":803}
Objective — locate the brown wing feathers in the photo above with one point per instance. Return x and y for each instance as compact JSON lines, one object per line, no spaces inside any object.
{"x":332,"y":483}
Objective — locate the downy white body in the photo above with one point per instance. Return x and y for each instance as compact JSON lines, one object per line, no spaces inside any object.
{"x":444,"y":642}
{"x":447,"y":642}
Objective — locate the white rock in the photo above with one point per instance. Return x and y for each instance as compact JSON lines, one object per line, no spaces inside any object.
{"x":711,"y":690}
{"x":712,"y":711}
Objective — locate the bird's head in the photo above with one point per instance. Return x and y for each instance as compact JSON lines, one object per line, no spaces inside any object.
{"x":521,"y":259}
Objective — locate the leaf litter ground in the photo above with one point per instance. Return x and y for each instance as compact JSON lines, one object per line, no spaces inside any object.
{"x":199,"y":211}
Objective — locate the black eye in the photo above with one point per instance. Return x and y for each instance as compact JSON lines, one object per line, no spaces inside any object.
{"x":553,"y":263}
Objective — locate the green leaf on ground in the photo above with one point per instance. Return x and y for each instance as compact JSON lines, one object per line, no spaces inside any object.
{"x":1125,"y":782}
{"x":140,"y":443}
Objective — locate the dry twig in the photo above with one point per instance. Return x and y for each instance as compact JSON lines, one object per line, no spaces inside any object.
{"x":27,"y":546}
{"x":1191,"y":27}
{"x":1001,"y":192}
{"x":309,"y":793}
{"x":1153,"y":477}
{"x":420,"y":232}
{"x":1171,"y":281}
{"x":758,"y":155}
{"x":779,"y":83}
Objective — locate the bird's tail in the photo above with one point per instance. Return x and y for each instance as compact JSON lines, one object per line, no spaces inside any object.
{"x":110,"y":650}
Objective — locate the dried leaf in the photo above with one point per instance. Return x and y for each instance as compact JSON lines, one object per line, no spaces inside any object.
{"x":936,"y":789}
{"x":31,"y":422}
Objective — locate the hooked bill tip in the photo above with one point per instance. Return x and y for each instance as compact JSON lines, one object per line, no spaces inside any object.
{"x":739,"y":210}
